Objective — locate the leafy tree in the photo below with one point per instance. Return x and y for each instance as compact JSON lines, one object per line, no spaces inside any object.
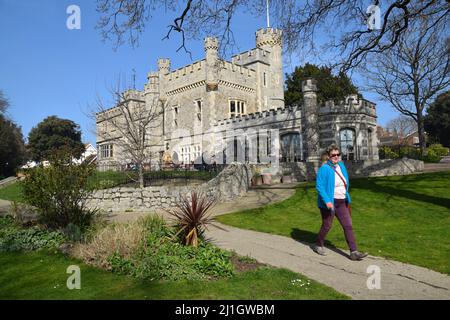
{"x":330,"y":87}
{"x":59,"y":192}
{"x":12,"y":147}
{"x":437,"y":120}
{"x":54,"y":134}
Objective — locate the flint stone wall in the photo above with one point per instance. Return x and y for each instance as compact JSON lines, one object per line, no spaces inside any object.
{"x":231,"y":183}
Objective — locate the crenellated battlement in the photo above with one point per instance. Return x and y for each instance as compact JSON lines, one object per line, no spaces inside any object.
{"x":188,"y":70}
{"x":152,"y":75}
{"x":351,"y":104}
{"x":230,"y":66}
{"x":270,"y":115}
{"x":164,"y":65}
{"x":132,"y":94}
{"x":211,"y":43}
{"x":268,"y":37}
{"x":252,"y":56}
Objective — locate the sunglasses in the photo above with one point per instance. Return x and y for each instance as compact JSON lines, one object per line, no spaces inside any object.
{"x":335,"y":155}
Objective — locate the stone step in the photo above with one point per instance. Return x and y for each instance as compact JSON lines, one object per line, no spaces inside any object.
{"x":433,"y":167}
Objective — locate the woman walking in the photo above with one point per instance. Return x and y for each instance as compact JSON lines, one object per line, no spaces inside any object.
{"x":333,"y":199}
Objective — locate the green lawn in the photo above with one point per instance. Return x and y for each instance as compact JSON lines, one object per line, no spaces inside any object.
{"x":405,"y":218}
{"x":13,"y":192}
{"x":42,"y":275}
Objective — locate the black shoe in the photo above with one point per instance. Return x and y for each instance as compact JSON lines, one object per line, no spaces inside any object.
{"x":356,"y":255}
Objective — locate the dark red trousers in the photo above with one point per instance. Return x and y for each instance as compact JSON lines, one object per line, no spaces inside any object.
{"x":341,"y":212}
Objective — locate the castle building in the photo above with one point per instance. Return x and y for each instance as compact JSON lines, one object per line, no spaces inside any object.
{"x":214,"y":110}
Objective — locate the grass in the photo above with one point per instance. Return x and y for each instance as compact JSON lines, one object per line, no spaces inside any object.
{"x":42,"y":275}
{"x":13,"y":192}
{"x":404,"y":218}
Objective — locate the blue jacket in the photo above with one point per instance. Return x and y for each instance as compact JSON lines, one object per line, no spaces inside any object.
{"x":325,"y":184}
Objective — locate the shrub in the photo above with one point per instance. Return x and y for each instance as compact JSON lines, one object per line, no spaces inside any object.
{"x":147,"y":249}
{"x":387,"y":153}
{"x":431,"y":157}
{"x":59,"y":193}
{"x":439,"y":150}
{"x":191,"y":217}
{"x":409,"y":152}
{"x":15,"y":238}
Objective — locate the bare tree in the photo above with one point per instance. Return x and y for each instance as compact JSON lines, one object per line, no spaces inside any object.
{"x":341,"y":24}
{"x":414,"y":72}
{"x":402,"y":126}
{"x":132,"y":126}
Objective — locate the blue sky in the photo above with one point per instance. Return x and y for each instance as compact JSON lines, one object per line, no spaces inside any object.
{"x":47,"y":69}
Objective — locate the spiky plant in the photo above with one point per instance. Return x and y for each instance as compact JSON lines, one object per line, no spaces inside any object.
{"x":192,"y":216}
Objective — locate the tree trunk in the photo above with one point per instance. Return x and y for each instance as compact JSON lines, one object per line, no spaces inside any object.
{"x":421,"y":132}
{"x":141,"y":176}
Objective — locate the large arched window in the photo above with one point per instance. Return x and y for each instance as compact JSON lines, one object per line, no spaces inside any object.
{"x":347,"y":143}
{"x":290,"y":147}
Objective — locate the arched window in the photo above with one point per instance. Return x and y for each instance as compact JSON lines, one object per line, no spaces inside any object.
{"x":290,"y":147}
{"x":347,"y":143}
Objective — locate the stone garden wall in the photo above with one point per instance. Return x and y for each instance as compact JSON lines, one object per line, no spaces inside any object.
{"x":377,"y":168}
{"x":232,"y":182}
{"x":303,"y":171}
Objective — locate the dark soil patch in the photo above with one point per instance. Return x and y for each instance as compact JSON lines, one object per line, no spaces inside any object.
{"x":242,"y":264}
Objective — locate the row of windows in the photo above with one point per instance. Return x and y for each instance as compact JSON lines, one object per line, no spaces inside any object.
{"x":190,"y":153}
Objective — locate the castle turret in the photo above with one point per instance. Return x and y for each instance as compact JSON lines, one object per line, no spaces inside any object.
{"x":212,"y":61}
{"x":163,"y":70}
{"x":271,"y":80}
{"x":164,"y":66}
{"x":152,"y":86}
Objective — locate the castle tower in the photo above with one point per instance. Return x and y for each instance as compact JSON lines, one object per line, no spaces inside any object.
{"x":163,"y":70}
{"x":212,"y":61}
{"x":272,"y":92}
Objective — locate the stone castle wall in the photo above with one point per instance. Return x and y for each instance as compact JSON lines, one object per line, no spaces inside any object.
{"x":232,"y":182}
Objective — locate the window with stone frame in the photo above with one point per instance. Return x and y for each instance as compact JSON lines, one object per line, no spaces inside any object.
{"x":106,"y":151}
{"x":290,"y":147}
{"x":347,"y":141}
{"x":236,"y":107}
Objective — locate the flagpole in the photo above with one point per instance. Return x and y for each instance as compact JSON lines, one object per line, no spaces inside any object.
{"x":267,"y":12}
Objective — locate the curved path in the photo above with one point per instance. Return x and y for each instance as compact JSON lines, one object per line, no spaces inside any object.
{"x":397,"y":280}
